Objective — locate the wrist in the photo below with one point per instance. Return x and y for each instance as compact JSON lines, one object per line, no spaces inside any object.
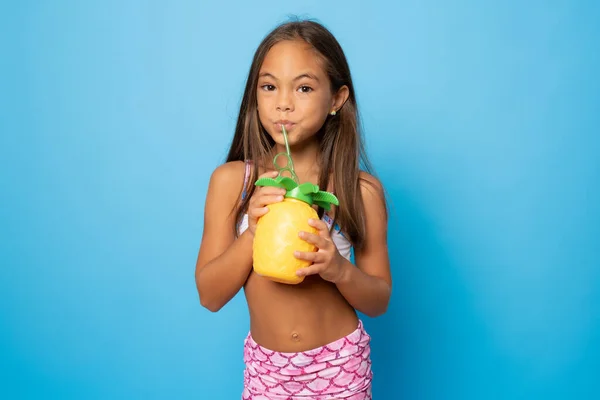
{"x":345,"y":270}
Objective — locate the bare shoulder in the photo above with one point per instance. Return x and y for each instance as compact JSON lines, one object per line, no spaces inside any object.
{"x":226,"y":184}
{"x":230,"y":174}
{"x":369,"y":180}
{"x":371,"y":189}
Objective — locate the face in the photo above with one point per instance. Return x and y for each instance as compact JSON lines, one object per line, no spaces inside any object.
{"x":295,"y":91}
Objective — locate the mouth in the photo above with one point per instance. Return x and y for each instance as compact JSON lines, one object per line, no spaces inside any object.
{"x":285,"y":123}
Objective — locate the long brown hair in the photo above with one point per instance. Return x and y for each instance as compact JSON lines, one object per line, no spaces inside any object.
{"x":342,"y":149}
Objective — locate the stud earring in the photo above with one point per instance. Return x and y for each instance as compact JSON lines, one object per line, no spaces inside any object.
{"x":332,"y":112}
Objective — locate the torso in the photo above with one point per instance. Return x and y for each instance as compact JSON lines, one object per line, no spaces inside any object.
{"x":293,"y":318}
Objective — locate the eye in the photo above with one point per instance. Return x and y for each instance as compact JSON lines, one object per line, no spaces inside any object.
{"x":305,"y":89}
{"x":268,"y":88}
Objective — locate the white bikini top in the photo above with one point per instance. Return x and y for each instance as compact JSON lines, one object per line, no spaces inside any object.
{"x":337,"y":236}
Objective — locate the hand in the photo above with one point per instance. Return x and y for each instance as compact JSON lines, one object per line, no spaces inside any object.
{"x":327,"y":261}
{"x":263,"y":196}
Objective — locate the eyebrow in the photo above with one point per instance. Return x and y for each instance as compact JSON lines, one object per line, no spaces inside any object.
{"x":304,"y":75}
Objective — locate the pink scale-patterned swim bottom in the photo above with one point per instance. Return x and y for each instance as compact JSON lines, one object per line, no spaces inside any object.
{"x":338,"y":370}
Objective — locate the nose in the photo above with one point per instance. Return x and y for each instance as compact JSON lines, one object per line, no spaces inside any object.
{"x":285,"y":101}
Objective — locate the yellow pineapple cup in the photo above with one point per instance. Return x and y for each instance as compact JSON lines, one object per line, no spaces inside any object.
{"x":276,"y":236}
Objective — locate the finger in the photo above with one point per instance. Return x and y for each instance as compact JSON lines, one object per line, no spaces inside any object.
{"x":320,"y":226}
{"x":269,"y":191}
{"x":264,"y":200}
{"x":312,"y":256}
{"x":257,"y":212}
{"x":312,"y":270}
{"x":266,"y":191}
{"x":269,"y":174}
{"x":319,"y":241}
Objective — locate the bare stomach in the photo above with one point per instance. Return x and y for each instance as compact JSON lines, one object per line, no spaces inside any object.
{"x":293,"y":318}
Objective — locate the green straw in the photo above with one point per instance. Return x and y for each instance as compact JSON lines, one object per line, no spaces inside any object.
{"x":289,"y":166}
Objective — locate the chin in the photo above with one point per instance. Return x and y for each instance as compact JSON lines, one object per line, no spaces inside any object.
{"x":279,"y":140}
{"x":277,"y":136}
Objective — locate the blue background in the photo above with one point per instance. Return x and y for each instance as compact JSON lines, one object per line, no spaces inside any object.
{"x":482,"y":119}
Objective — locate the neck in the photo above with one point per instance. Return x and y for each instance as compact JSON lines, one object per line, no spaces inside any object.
{"x":305,"y":157}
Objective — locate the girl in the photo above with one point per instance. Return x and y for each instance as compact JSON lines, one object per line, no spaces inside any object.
{"x":305,"y":341}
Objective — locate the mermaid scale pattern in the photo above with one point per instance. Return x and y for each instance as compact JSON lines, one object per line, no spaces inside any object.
{"x":339,"y":370}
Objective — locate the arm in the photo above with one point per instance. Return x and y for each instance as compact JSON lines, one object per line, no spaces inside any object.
{"x":224,"y":262}
{"x":367,"y":287}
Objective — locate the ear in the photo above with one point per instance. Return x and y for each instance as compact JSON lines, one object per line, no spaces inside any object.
{"x":339,"y":98}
